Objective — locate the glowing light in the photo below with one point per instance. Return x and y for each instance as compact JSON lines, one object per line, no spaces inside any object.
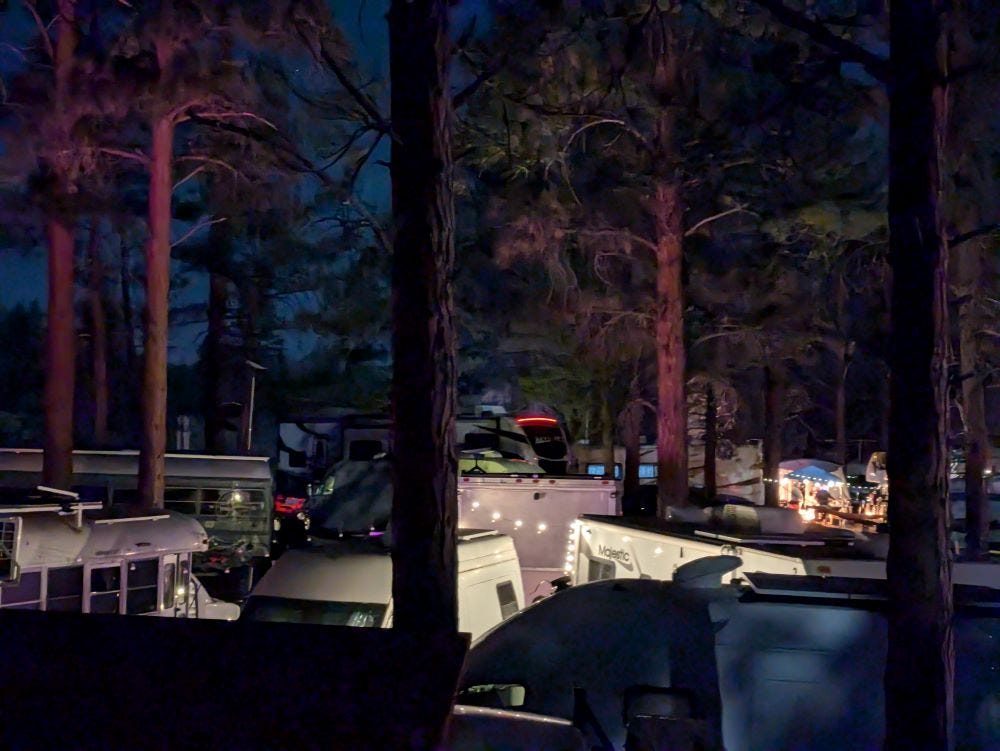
{"x":657,"y":551}
{"x":569,"y":558}
{"x":495,"y":516}
{"x":542,"y":526}
{"x":475,"y":504}
{"x":626,"y":538}
{"x":533,"y":420}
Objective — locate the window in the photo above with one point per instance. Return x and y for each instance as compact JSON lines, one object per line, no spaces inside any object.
{"x":598,"y":570}
{"x":287,"y":610}
{"x":141,"y":584}
{"x":65,"y":589}
{"x":647,"y":471}
{"x":508,"y":600}
{"x":8,"y":539}
{"x":182,"y":500}
{"x":598,"y":470}
{"x":105,"y":588}
{"x":26,"y":594}
{"x":169,"y":591}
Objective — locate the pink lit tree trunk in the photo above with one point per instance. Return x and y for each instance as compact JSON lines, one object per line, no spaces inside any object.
{"x":425,"y":465}
{"x":153,"y":436}
{"x":60,"y":337}
{"x":99,"y":338}
{"x":671,"y":411}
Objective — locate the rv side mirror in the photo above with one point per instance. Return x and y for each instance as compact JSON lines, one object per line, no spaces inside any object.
{"x":493,"y":695}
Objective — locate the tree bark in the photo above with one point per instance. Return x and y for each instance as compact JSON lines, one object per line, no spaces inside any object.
{"x":671,"y":410}
{"x":774,"y":421}
{"x":218,"y":296}
{"x":920,"y":661}
{"x":608,"y":436}
{"x":60,"y":334}
{"x":711,"y":441}
{"x":99,"y":338}
{"x":840,"y":385}
{"x":977,"y":439}
{"x":424,"y":466}
{"x":632,"y":427}
{"x":60,"y":358}
{"x":153,"y":438}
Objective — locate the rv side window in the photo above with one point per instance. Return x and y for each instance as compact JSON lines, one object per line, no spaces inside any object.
{"x":64,"y":589}
{"x":598,"y":570}
{"x":140,"y":586}
{"x":183,"y":500}
{"x":25,"y":595}
{"x":169,"y":586}
{"x":105,"y":587}
{"x":508,"y":600}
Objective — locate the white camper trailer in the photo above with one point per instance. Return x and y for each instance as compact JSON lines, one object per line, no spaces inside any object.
{"x":54,"y":558}
{"x":349,"y":583}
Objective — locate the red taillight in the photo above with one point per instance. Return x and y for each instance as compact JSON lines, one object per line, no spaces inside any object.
{"x":286,"y":504}
{"x":537,"y":421}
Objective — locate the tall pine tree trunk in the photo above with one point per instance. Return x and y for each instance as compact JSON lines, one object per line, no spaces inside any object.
{"x":774,"y":421}
{"x":98,"y":337}
{"x":920,"y":662}
{"x":153,"y":437}
{"x":977,"y":439}
{"x":840,"y":405}
{"x":711,"y":441}
{"x":607,"y":436}
{"x":632,"y":426}
{"x":60,"y":358}
{"x":671,"y":411}
{"x":425,"y":466}
{"x":218,"y":297}
{"x":60,"y":334}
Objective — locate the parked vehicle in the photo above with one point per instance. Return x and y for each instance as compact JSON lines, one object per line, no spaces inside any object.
{"x":349,"y":583}
{"x":57,"y":559}
{"x":231,"y":496}
{"x":789,"y":663}
{"x":767,"y":541}
{"x":510,"y":495}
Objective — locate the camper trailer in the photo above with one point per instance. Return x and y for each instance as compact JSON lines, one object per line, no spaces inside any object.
{"x":56,"y":557}
{"x":230,"y":496}
{"x":349,"y":583}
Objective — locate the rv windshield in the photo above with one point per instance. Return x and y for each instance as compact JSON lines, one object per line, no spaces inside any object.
{"x":287,"y":610}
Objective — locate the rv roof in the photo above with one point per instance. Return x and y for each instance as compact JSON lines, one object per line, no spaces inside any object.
{"x":126,"y":463}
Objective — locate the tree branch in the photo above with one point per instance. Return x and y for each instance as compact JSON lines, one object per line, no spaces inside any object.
{"x":195,"y":230}
{"x":964,"y":237}
{"x":135,"y":156}
{"x":715,"y":217}
{"x":877,"y":66}
{"x":623,"y":233}
{"x":485,"y":75}
{"x":43,"y":30}
{"x":610,"y":121}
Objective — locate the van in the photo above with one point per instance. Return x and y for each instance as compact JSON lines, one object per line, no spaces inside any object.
{"x":349,"y":583}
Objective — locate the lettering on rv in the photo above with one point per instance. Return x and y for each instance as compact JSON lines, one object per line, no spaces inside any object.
{"x":615,"y":554}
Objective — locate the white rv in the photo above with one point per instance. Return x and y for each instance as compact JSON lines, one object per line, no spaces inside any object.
{"x":54,"y":558}
{"x":349,"y":583}
{"x":767,"y":540}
